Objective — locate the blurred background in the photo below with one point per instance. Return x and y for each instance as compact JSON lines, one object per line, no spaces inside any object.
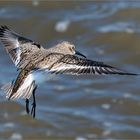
{"x":70,"y":107}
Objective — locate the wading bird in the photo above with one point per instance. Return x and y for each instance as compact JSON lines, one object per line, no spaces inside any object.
{"x":35,"y":63}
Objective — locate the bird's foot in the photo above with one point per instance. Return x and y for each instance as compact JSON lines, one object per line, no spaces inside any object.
{"x":33,"y":110}
{"x":27,"y":106}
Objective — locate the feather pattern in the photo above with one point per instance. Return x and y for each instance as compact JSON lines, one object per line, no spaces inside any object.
{"x":24,"y":90}
{"x":7,"y":88}
{"x":74,"y":65}
{"x":17,"y":47}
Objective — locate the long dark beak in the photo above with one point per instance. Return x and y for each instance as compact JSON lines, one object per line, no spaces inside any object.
{"x":78,"y":53}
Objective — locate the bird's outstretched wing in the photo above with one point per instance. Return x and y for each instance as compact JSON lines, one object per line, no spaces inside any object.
{"x":70,"y":64}
{"x":17,"y":46}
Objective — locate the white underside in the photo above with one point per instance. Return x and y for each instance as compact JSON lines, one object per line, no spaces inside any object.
{"x":27,"y":82}
{"x":39,"y":77}
{"x":42,"y":76}
{"x":25,"y":90}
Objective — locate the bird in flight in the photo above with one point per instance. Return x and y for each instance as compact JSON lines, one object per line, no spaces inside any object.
{"x":34,"y":63}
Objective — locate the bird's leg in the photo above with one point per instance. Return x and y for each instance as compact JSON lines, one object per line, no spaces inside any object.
{"x":27,"y":106}
{"x":33,"y":104}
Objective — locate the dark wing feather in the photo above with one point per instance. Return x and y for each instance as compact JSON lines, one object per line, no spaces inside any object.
{"x":17,"y":47}
{"x":70,"y":64}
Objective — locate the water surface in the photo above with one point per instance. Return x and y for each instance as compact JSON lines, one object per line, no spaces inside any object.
{"x":83,"y":107}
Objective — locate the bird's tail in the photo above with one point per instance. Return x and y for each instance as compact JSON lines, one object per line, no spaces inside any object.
{"x":22,"y":93}
{"x":7,"y":88}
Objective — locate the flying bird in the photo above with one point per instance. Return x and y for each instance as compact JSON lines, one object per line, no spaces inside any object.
{"x":34,"y":63}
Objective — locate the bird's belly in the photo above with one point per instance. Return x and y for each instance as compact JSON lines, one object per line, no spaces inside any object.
{"x":27,"y":82}
{"x":41,"y":76}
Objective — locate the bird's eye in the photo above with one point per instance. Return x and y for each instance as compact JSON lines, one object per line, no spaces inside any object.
{"x":73,"y":48}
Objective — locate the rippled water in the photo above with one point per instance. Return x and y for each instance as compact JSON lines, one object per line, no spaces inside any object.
{"x":83,"y":107}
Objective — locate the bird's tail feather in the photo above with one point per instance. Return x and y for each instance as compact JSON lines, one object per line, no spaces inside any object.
{"x":24,"y":93}
{"x":7,"y":88}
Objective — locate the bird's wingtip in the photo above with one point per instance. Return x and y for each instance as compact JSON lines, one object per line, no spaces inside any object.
{"x":133,"y":74}
{"x":3,"y":30}
{"x":4,"y":27}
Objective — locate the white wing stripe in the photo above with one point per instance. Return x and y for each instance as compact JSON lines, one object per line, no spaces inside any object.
{"x":18,"y":57}
{"x":77,"y":69}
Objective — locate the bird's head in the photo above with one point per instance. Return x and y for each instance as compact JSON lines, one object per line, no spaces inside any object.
{"x":67,"y":48}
